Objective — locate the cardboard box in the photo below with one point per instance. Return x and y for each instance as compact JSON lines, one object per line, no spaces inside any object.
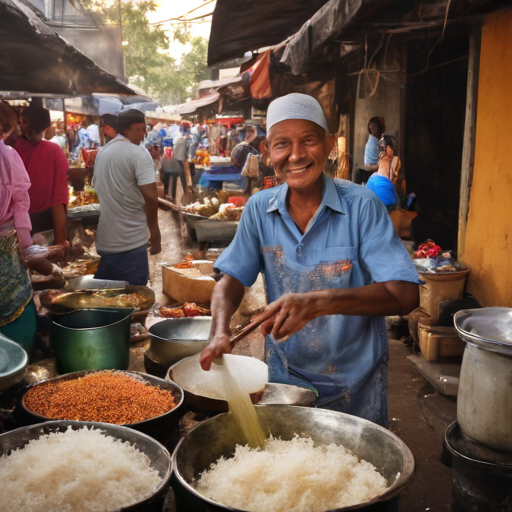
{"x":436,"y":342}
{"x":189,"y":285}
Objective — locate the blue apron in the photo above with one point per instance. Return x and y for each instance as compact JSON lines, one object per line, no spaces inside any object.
{"x":365,"y":396}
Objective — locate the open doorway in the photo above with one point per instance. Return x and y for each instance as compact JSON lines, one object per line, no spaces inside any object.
{"x":434,"y":130}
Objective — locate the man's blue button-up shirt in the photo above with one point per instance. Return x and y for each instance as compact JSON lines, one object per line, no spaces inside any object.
{"x":350,"y":242}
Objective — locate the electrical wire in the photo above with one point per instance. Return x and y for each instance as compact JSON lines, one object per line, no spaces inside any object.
{"x":442,"y":33}
{"x":183,"y":17}
{"x":183,"y":20}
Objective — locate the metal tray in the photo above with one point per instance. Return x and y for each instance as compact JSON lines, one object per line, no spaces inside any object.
{"x":86,"y":299}
{"x":13,"y":362}
{"x":216,"y":230}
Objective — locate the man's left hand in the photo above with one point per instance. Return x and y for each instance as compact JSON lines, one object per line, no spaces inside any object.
{"x":155,"y":245}
{"x":289,"y":314}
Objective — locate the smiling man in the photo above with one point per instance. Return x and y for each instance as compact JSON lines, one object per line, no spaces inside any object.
{"x":333,"y":269}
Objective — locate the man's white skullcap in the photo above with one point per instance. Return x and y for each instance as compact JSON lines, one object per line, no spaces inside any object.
{"x":296,"y":106}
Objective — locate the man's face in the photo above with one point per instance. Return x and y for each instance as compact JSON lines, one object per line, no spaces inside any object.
{"x":298,"y":151}
{"x":136,"y":133}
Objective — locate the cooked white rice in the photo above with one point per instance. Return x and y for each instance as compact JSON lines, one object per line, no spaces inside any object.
{"x":291,"y":476}
{"x":75,"y":471}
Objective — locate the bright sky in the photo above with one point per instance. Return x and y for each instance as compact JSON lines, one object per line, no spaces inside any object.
{"x":175,"y":8}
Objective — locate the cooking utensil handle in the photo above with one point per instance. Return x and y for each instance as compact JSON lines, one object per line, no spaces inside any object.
{"x":242,"y":333}
{"x":250,"y":327}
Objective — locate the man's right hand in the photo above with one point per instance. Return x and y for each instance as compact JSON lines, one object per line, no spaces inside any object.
{"x":155,"y":245}
{"x":217,"y":346}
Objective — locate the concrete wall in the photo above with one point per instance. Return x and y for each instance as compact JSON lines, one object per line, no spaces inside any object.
{"x":488,"y":242}
{"x":103,"y":46}
{"x":386,"y":101}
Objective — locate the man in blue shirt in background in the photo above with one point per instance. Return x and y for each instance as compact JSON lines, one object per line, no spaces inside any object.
{"x":333,"y":266}
{"x":376,"y":128}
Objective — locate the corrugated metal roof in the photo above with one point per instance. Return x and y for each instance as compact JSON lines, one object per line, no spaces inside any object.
{"x":239,"y":26}
{"x":36,"y":60}
{"x":192,"y":106}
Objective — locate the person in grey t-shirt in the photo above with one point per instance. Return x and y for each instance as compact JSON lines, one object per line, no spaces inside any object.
{"x":125,"y":180}
{"x":178,"y":167}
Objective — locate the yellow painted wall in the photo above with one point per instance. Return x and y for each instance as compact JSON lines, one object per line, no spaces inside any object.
{"x":488,"y":243}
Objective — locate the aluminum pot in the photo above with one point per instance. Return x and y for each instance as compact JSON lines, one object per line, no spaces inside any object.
{"x":159,"y":457}
{"x":484,"y":404}
{"x":162,"y":428}
{"x":177,"y":338}
{"x":218,"y":436}
{"x":92,"y":339}
{"x":481,"y":476}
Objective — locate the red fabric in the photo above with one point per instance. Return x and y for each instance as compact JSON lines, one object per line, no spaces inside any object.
{"x":47,"y":168}
{"x":260,"y":78}
{"x":238,"y":201}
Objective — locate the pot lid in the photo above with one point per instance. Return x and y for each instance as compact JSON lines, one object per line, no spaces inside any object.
{"x":487,"y":328}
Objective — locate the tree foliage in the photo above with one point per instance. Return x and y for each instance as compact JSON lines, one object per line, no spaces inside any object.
{"x":147,"y":61}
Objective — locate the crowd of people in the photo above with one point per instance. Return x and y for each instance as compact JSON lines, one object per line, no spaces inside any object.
{"x":33,"y":199}
{"x":126,"y":171}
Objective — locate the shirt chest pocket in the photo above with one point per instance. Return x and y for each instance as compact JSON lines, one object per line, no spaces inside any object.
{"x":333,"y":266}
{"x":339,"y":256}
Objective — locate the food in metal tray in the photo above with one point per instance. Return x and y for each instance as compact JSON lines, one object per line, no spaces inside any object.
{"x":189,"y":309}
{"x":110,"y":298}
{"x":107,"y":397}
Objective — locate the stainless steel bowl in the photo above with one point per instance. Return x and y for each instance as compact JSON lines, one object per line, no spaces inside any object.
{"x":218,"y":436}
{"x":159,"y":427}
{"x":176,"y":338}
{"x":159,"y":457}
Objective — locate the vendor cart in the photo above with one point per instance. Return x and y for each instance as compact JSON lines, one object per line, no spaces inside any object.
{"x":219,"y":233}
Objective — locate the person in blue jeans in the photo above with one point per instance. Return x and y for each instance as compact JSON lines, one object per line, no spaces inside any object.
{"x":125,"y":180}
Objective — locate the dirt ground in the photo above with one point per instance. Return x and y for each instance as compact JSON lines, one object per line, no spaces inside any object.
{"x":417,"y":413}
{"x":419,"y":416}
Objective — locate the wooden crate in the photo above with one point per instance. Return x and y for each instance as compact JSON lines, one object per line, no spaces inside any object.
{"x":183,"y":288}
{"x":436,"y":342}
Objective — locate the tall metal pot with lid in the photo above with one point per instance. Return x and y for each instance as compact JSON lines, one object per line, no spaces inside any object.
{"x":484,"y":403}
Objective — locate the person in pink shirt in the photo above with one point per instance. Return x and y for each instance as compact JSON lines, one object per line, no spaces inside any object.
{"x":47,"y":169}
{"x":17,"y":311}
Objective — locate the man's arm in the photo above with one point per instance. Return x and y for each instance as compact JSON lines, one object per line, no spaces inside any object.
{"x":291,"y":312}
{"x":188,"y":176}
{"x":150,"y":194}
{"x":226,"y":299}
{"x":60,"y":224}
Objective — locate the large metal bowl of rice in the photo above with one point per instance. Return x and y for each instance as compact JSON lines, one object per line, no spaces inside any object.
{"x":218,"y":438}
{"x":42,"y":471}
